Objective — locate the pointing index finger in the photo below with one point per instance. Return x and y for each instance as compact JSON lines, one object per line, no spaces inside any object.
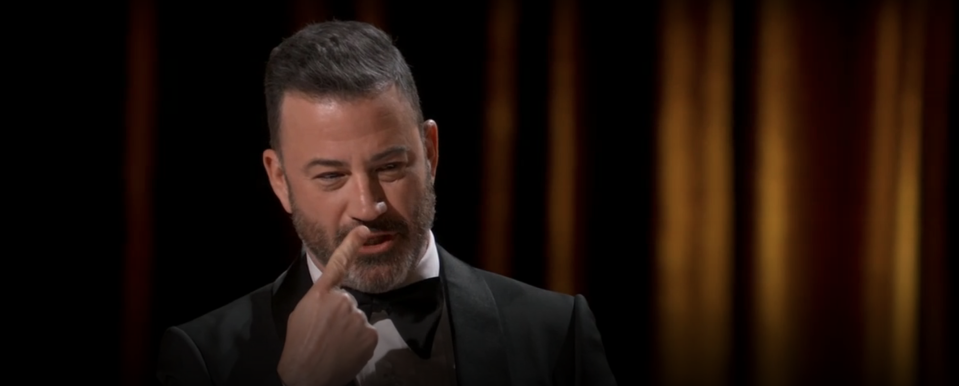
{"x":341,"y":259}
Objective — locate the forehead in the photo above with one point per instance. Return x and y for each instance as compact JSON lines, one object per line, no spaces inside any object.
{"x":320,"y":126}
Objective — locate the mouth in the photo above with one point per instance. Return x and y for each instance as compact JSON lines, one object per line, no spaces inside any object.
{"x":377,"y":243}
{"x":378,"y":239}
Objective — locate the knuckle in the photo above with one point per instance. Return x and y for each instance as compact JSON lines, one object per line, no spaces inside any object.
{"x":347,"y":303}
{"x":359,"y":316}
{"x":342,"y":299}
{"x":370,"y":335}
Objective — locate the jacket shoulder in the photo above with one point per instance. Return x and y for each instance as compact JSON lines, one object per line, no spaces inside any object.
{"x":231,"y":318}
{"x":532,"y":310}
{"x":540,"y":307}
{"x":540,"y":326}
{"x":234,"y":344}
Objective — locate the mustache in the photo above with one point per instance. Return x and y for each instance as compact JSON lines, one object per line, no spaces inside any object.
{"x":380,"y":224}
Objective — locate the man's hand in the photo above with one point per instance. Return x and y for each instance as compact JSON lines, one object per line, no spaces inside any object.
{"x":328,"y":339}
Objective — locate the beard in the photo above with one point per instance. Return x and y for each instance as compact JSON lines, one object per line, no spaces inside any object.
{"x":380,"y":272}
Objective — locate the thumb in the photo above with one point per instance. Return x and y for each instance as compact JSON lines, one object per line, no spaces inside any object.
{"x":341,"y":259}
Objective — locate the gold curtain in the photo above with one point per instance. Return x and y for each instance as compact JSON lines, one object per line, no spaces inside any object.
{"x":499,"y":138}
{"x":563,"y":135}
{"x":694,"y":232}
{"x":808,"y":216}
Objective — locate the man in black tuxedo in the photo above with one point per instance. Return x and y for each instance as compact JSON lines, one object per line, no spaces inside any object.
{"x":373,"y":300}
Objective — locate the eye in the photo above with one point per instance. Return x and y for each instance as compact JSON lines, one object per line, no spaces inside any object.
{"x":389,"y":167}
{"x":329,"y":176}
{"x":391,"y":171}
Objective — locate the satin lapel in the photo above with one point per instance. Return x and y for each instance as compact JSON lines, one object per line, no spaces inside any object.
{"x":478,"y":340}
{"x":288,"y":289}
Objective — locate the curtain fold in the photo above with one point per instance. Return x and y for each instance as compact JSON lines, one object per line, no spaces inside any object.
{"x":694,"y":233}
{"x":499,"y":138}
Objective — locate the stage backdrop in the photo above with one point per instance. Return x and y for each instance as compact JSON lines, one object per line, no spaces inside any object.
{"x":747,"y":192}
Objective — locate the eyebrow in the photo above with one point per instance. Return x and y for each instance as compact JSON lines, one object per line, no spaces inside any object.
{"x":390,"y":152}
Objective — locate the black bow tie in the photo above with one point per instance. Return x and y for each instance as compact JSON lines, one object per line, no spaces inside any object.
{"x":413,"y":309}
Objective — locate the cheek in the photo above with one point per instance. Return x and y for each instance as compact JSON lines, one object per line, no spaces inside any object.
{"x":405,"y":195}
{"x":318,"y":206}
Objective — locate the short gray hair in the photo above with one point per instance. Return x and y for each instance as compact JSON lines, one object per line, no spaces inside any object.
{"x":337,"y":59}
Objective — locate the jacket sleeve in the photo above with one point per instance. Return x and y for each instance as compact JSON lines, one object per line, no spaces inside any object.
{"x":180,"y":362}
{"x":589,"y":355}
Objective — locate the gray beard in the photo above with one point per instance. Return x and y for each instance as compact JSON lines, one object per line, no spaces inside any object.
{"x":376,"y":273}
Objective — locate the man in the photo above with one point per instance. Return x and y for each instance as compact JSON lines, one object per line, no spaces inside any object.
{"x":373,"y":300}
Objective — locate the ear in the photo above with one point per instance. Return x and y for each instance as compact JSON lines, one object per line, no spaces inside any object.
{"x":432,"y":142}
{"x":274,"y":171}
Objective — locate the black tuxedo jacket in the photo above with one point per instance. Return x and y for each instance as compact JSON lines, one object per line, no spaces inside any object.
{"x":504,"y":333}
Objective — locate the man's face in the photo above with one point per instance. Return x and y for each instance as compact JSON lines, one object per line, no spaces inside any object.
{"x":339,"y":160}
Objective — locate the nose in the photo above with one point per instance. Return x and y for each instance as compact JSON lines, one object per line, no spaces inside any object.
{"x":367,"y":202}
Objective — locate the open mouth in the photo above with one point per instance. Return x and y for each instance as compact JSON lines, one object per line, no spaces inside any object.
{"x":378,"y":239}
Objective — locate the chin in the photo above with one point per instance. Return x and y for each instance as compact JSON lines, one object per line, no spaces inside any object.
{"x":376,"y":279}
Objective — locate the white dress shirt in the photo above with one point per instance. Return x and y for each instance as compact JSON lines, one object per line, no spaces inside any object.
{"x":393,"y":363}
